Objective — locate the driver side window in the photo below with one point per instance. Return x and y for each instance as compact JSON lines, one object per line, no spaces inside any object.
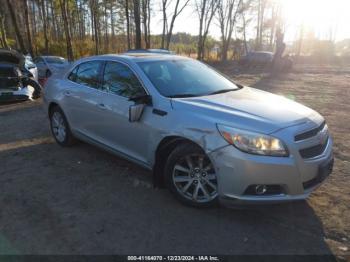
{"x":121,"y":80}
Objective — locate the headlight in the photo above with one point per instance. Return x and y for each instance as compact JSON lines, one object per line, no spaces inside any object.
{"x":253,"y":143}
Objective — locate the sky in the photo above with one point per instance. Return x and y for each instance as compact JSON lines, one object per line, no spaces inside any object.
{"x":320,"y":16}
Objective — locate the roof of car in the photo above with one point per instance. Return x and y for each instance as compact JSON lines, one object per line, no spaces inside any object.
{"x":152,"y":51}
{"x":53,"y":56}
{"x":141,"y":57}
{"x":261,"y":52}
{"x":11,"y":57}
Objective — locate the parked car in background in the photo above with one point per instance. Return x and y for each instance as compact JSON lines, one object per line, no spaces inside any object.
{"x":205,"y":137}
{"x":16,"y":82}
{"x":259,"y":58}
{"x":48,"y":65}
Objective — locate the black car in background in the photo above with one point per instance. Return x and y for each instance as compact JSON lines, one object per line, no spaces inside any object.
{"x":257,"y":58}
{"x":16,"y":81}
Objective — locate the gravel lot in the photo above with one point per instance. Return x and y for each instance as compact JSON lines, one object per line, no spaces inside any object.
{"x":82,"y":200}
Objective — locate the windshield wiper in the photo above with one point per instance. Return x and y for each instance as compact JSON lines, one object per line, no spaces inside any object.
{"x":213,"y":93}
{"x":183,"y":95}
{"x":223,"y":91}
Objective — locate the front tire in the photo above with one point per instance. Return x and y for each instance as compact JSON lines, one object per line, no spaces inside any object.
{"x":191,"y":177}
{"x":60,"y":128}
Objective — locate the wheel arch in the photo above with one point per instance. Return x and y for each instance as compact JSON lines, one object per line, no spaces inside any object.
{"x":164,"y":148}
{"x":51,"y":106}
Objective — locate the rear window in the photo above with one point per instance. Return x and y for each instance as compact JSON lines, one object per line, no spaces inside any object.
{"x":87,"y":74}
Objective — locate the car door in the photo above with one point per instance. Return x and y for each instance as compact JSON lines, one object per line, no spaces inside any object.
{"x":120,"y":83}
{"x":82,"y":99}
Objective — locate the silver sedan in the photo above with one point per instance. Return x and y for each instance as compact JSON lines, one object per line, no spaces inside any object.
{"x":204,"y":137}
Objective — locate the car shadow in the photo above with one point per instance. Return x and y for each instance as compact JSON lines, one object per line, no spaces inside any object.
{"x":82,"y":200}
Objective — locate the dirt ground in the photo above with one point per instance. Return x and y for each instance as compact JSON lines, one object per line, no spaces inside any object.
{"x":82,"y":200}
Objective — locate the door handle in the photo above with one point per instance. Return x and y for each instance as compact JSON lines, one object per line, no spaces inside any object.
{"x":102,"y":106}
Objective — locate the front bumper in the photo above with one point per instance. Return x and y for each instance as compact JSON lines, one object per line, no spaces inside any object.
{"x":16,"y":95}
{"x":296,"y":177}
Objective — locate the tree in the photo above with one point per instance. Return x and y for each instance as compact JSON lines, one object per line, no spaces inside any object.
{"x":206,"y":10}
{"x":95,"y":24}
{"x":2,"y":30}
{"x":15,"y":26}
{"x":168,"y":29}
{"x":228,"y":11}
{"x":127,"y":23}
{"x":244,"y":29}
{"x":63,"y":5}
{"x":29,"y":37}
{"x":137,"y":20}
{"x":146,"y":14}
{"x":44,"y":19}
{"x":260,"y":23}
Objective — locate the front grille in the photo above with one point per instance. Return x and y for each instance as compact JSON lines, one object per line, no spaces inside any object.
{"x":310,"y":133}
{"x":314,"y":150}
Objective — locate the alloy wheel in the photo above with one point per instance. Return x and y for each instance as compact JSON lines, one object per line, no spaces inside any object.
{"x":58,"y":126}
{"x":194,"y":178}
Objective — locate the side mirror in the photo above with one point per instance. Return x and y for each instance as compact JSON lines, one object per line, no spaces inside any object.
{"x":135,"y":112}
{"x":142,"y":99}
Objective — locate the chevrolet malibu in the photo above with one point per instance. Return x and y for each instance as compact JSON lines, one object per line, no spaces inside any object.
{"x":204,"y":137}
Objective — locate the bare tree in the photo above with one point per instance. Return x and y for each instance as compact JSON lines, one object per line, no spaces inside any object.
{"x":15,"y":26}
{"x":2,"y":30}
{"x":137,"y":21}
{"x":261,"y":6}
{"x":63,"y":5}
{"x":127,"y":23}
{"x":168,"y":28}
{"x":95,"y":24}
{"x":228,"y":11}
{"x":206,"y":10}
{"x":146,"y":15}
{"x":44,"y":19}
{"x":244,"y":29}
{"x":165,"y":21}
{"x":29,"y":37}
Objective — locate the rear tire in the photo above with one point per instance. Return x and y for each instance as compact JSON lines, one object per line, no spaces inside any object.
{"x":190,"y":176}
{"x":60,"y":128}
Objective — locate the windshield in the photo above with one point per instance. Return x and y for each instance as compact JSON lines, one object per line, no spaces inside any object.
{"x":55,"y":60}
{"x":176,"y":78}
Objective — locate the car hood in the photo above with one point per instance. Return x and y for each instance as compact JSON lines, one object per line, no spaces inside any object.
{"x":250,"y":109}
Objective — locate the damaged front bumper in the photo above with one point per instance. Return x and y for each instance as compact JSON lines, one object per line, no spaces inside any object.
{"x":8,"y":95}
{"x":282,"y":178}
